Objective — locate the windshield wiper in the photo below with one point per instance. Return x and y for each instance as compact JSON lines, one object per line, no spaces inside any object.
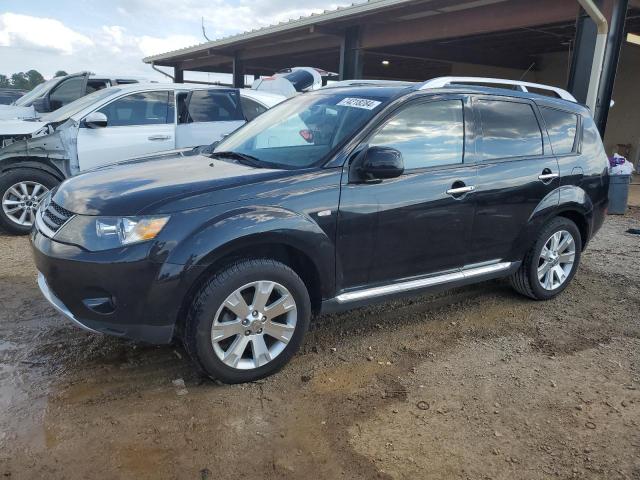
{"x":241,"y":157}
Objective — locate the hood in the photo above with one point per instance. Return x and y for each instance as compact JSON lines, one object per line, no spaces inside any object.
{"x":12,"y":111}
{"x":20,"y":127}
{"x":146,"y":186}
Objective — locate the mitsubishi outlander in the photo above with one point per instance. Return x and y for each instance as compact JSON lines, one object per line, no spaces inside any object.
{"x":331,"y":200}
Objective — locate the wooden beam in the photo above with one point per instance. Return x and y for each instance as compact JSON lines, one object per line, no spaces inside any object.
{"x":490,"y":18}
{"x":211,"y":60}
{"x":306,"y":46}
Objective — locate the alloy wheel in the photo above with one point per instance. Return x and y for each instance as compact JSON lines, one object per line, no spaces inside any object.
{"x":254,"y":325}
{"x":556,"y":260}
{"x":21,"y":200}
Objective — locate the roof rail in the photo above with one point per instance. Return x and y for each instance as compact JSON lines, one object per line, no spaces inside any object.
{"x":441,"y":82}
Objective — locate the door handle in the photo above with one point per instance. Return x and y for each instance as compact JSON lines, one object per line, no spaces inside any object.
{"x":159,"y":137}
{"x":548,"y":176}
{"x":460,"y":190}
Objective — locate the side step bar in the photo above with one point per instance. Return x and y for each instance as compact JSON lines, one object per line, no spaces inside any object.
{"x":395,"y":288}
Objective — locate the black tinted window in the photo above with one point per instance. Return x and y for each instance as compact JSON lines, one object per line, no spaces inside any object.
{"x":427,"y":134}
{"x":543,"y":91}
{"x":562,"y":127}
{"x":509,"y":129}
{"x":210,"y":106}
{"x":251,"y":108}
{"x":146,"y":108}
{"x":93,"y":85}
{"x":66,"y":92}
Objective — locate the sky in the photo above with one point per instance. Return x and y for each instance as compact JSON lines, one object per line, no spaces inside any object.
{"x":112,"y":37}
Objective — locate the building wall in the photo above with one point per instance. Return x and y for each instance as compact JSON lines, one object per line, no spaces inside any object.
{"x":624,"y":118}
{"x":623,"y":125}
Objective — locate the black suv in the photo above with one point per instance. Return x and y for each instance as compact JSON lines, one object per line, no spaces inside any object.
{"x":332,"y":200}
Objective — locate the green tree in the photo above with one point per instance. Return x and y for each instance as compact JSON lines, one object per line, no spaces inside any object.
{"x":20,"y":80}
{"x":35,"y":78}
{"x":25,"y":80}
{"x":4,"y":81}
{"x":61,"y":73}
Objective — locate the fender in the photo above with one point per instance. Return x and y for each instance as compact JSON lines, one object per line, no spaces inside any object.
{"x":56,"y":149}
{"x":257,"y":225}
{"x":543,"y":211}
{"x":36,"y":163}
{"x":567,"y":198}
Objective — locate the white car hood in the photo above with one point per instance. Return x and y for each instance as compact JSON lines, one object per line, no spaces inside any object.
{"x":12,"y":111}
{"x":20,"y":127}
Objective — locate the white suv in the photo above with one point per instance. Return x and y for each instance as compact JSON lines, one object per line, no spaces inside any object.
{"x":109,"y":126}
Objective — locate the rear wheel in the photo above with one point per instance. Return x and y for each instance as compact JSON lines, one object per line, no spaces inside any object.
{"x":552,"y":261}
{"x":247,"y":321}
{"x":21,"y":191}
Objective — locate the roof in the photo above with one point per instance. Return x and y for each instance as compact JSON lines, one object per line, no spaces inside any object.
{"x":266,"y":97}
{"x":390,"y":92}
{"x":313,"y":19}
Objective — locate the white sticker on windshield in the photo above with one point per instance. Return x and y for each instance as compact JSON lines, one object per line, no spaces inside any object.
{"x":359,"y":103}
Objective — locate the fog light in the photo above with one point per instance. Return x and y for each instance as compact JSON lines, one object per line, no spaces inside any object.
{"x":101,"y":305}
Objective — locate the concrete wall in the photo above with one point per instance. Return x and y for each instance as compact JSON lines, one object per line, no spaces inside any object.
{"x":553,"y":69}
{"x":623,"y":126}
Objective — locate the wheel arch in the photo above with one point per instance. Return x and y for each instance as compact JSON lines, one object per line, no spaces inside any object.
{"x":295,"y":258}
{"x":291,"y":238}
{"x":33,"y":163}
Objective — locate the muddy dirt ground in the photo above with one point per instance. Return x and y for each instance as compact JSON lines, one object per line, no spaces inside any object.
{"x":476,"y":383}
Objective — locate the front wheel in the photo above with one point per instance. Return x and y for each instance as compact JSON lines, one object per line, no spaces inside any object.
{"x":247,"y":321}
{"x":551,"y":262}
{"x":21,"y":191}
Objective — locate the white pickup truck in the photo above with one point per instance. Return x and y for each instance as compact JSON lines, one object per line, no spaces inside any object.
{"x":109,"y":126}
{"x":60,"y":91}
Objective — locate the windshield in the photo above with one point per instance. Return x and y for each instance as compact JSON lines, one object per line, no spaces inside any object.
{"x":302,"y":131}
{"x":70,"y":109}
{"x":27,"y":99}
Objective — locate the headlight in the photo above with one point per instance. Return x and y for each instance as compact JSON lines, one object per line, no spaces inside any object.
{"x":103,"y":233}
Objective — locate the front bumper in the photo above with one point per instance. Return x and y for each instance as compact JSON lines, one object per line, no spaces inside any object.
{"x":117,"y":292}
{"x":57,"y":303}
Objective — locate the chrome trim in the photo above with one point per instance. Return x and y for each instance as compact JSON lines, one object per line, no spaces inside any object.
{"x":548,"y":176}
{"x":456,"y":191}
{"x":44,"y":229}
{"x":422,"y":283}
{"x":41,"y":226}
{"x":58,"y":305}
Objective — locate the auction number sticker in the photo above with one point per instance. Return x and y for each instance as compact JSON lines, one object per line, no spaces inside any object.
{"x":359,"y":103}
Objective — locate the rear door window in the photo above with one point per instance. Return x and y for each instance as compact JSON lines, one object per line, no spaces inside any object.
{"x":562,"y":128}
{"x":93,"y":85}
{"x":251,"y":108}
{"x":509,"y":129}
{"x":145,"y":108}
{"x":210,"y":106}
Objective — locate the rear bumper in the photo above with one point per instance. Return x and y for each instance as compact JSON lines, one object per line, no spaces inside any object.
{"x":118,"y":292}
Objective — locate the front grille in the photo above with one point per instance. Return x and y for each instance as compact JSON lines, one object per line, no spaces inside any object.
{"x":55,"y":216}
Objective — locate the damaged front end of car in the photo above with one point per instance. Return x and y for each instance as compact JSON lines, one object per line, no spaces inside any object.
{"x":52,"y":144}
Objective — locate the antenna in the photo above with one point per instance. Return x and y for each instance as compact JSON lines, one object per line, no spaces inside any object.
{"x":525,"y":72}
{"x":204,"y":33}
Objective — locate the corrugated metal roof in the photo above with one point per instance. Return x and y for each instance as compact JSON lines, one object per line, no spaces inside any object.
{"x":313,"y":19}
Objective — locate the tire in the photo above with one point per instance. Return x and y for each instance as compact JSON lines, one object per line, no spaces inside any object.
{"x":236,"y":354}
{"x":526,"y":279}
{"x":15,"y":200}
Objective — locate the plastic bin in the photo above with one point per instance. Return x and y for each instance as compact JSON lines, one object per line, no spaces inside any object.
{"x":618,"y":194}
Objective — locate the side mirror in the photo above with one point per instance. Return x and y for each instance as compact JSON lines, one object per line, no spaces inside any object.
{"x":42,"y":105}
{"x":95,"y":120}
{"x":380,"y":163}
